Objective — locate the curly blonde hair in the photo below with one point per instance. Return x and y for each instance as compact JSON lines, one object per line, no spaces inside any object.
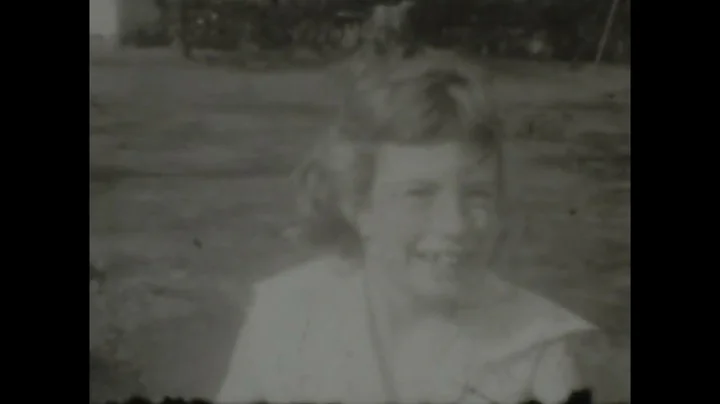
{"x":431,"y":97}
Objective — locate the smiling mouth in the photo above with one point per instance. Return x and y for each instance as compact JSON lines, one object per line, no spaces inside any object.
{"x":441,"y":259}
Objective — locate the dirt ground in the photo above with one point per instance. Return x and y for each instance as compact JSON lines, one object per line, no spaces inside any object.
{"x":190,"y":204}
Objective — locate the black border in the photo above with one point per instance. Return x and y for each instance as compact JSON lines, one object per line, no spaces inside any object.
{"x":50,"y":204}
{"x":674,"y":159}
{"x":46,"y":195}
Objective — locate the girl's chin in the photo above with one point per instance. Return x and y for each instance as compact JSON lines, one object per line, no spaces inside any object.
{"x":431,"y":293}
{"x":433,"y":282}
{"x":455,"y":292}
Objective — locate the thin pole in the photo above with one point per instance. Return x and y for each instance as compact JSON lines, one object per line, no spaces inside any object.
{"x":606,"y":31}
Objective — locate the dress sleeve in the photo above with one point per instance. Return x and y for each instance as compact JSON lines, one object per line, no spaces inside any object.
{"x":556,"y":376}
{"x":242,"y":382}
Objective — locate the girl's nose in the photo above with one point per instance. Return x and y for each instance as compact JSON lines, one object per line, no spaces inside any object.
{"x":449,"y":219}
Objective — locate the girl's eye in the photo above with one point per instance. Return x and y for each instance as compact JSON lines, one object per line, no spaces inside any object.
{"x":478,"y":195}
{"x":421,"y":191}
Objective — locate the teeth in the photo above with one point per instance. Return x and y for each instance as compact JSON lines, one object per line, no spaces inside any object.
{"x":443,"y":259}
{"x":447,"y":260}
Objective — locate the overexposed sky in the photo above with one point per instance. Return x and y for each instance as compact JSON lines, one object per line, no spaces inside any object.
{"x":103,"y":17}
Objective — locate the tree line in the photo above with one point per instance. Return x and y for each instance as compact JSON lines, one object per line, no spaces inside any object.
{"x":558,"y":29}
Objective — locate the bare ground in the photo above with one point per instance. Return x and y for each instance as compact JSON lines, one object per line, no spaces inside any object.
{"x":189,"y":204}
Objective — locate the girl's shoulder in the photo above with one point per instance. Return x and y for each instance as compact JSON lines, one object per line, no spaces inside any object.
{"x":520,"y":346}
{"x":311,"y":280}
{"x":302,"y":291}
{"x":522,"y":321}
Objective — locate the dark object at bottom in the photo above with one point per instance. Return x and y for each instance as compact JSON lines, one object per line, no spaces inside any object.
{"x":167,"y":400}
{"x":577,"y":397}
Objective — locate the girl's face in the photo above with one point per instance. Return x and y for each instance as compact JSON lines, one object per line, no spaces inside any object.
{"x":430,"y":223}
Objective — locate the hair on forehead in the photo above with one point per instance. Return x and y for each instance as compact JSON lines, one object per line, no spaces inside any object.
{"x":433,"y":97}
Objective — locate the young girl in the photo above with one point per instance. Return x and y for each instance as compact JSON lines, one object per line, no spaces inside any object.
{"x":406,"y":200}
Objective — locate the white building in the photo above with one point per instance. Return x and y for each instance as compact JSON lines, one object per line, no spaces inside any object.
{"x":104,"y":17}
{"x":110,"y":18}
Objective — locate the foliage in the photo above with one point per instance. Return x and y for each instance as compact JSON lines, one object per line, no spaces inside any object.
{"x":558,"y":29}
{"x":577,"y":397}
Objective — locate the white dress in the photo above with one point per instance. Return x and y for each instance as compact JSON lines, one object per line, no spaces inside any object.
{"x":306,"y":339}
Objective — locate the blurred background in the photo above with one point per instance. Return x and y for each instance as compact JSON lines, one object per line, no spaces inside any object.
{"x":200,"y":109}
{"x":568,"y":30}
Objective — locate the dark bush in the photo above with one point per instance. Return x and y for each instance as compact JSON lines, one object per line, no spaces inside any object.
{"x":560,"y":29}
{"x":578,"y":397}
{"x":147,"y":37}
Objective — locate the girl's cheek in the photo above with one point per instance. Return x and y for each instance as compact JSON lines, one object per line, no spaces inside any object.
{"x":479,"y":218}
